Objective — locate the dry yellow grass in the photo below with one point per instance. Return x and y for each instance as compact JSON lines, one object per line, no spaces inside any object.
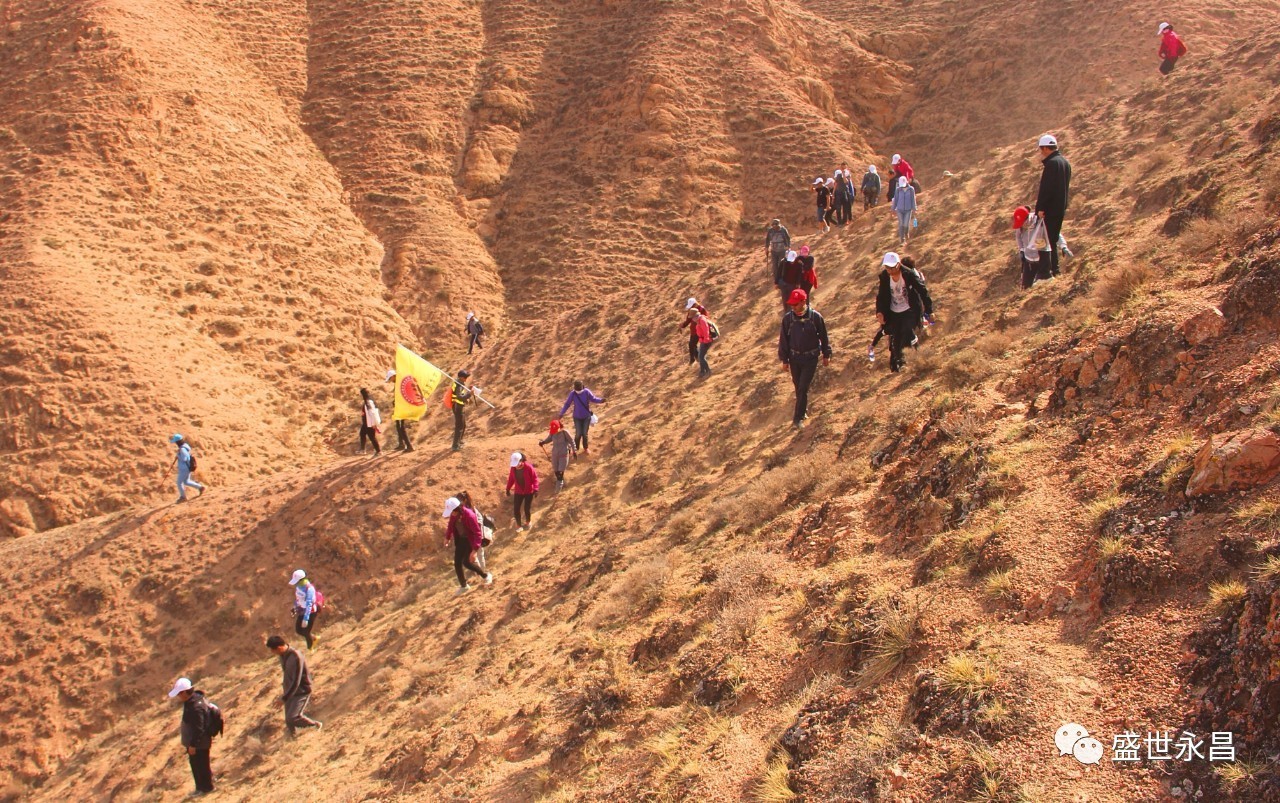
{"x":775,"y":786}
{"x":896,"y":630}
{"x":968,"y":675}
{"x":1226,"y":595}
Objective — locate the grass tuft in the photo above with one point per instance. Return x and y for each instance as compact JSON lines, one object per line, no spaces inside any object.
{"x":896,"y":632}
{"x":1269,"y":569}
{"x":775,"y":787}
{"x":1226,"y":595}
{"x":1263,"y":513}
{"x":1112,"y":547}
{"x":999,"y":585}
{"x":968,"y":675}
{"x":1103,"y":506}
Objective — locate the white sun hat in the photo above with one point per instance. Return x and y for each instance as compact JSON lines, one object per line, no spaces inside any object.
{"x":691,"y":303}
{"x":179,"y":686}
{"x":298,"y":577}
{"x":1048,"y":141}
{"x":515,"y":459}
{"x":891,"y":258}
{"x":451,"y":504}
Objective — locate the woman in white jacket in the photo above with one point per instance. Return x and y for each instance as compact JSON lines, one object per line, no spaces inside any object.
{"x":370,"y":421}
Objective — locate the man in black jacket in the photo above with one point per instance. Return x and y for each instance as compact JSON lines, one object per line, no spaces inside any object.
{"x":197,"y":733}
{"x":803,"y":339}
{"x":902,"y":302}
{"x":297,"y":685}
{"x":1051,"y":199}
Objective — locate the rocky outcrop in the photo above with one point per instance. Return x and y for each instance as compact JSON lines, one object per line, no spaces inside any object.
{"x":1234,"y":461}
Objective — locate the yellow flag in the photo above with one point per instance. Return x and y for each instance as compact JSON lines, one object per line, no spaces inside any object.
{"x":416,"y":379}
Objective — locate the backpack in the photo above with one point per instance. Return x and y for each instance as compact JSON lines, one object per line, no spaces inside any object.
{"x":191,"y":461}
{"x":487,"y":526}
{"x":319,"y":601}
{"x":216,"y":722}
{"x":715,"y":330}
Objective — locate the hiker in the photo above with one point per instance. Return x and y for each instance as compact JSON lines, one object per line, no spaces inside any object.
{"x":186,"y":463}
{"x":846,"y":206}
{"x":402,"y":425}
{"x":1024,"y":234}
{"x":904,"y":203}
{"x":843,"y":198}
{"x":562,"y":449}
{"x":901,"y":167}
{"x":370,"y":422}
{"x":902,"y":303}
{"x":465,"y":531}
{"x":704,"y":329}
{"x":692,"y":309}
{"x":459,"y":397}
{"x":797,"y":272}
{"x":487,"y":526}
{"x":1051,"y":198}
{"x":305,"y":606}
{"x":802,"y":340}
{"x":870,"y":188}
{"x":830,"y":217}
{"x":581,"y":398}
{"x":822,"y":198}
{"x":788,"y":266}
{"x":1171,"y":48}
{"x":297,"y":686}
{"x":201,"y":721}
{"x":474,"y":330}
{"x":776,"y":242}
{"x":524,"y":480}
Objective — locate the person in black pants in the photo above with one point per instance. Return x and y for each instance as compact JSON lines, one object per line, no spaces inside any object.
{"x":802,"y":340}
{"x":402,"y":433}
{"x":902,"y":302}
{"x":464,"y":530}
{"x":474,"y":331}
{"x":197,"y":733}
{"x":1051,"y":198}
{"x":370,"y":420}
{"x":461,"y":396}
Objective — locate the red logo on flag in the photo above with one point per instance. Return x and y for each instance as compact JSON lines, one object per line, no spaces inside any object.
{"x":410,"y":392}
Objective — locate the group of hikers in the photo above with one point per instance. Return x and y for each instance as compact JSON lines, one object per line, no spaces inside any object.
{"x":902,"y":305}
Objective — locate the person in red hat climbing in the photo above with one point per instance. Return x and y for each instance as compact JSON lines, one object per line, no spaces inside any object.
{"x":802,"y":341}
{"x":1171,"y":48}
{"x":1024,"y":234}
{"x":562,"y":449}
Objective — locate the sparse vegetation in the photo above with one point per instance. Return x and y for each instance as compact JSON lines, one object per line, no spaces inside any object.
{"x":775,"y":786}
{"x":998,"y":585}
{"x":1269,"y":569}
{"x":1119,"y":286}
{"x":1239,"y":775}
{"x":968,"y":675}
{"x":966,"y":369}
{"x":1111,"y":547}
{"x":1226,"y":595}
{"x":1261,"y":513}
{"x":1098,"y":510}
{"x":896,"y":630}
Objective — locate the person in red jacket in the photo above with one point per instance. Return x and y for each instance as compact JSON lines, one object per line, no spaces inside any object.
{"x":467,"y":534}
{"x":1171,"y":48}
{"x":692,"y":309}
{"x":702,"y":329}
{"x":524,"y":480}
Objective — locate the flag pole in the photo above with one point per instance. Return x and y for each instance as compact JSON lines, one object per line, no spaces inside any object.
{"x":450,"y":378}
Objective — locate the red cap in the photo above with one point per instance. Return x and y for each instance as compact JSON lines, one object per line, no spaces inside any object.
{"x":797,"y":297}
{"x":555,"y":427}
{"x":1020,"y":216}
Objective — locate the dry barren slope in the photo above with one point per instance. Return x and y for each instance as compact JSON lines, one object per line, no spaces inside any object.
{"x":711,"y":581}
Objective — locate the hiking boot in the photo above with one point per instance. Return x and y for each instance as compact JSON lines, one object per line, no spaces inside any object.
{"x":488,"y":579}
{"x":798,"y":424}
{"x":181,"y":499}
{"x":200,"y":491}
{"x":529,"y":527}
{"x":461,"y":590}
{"x":520,"y":529}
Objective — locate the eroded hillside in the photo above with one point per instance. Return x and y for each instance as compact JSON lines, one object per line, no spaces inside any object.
{"x":903,"y":601}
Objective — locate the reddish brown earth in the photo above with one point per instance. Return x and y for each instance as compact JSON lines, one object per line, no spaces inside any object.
{"x":218,"y":218}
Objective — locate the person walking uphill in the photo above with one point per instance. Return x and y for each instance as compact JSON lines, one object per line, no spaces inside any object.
{"x":1051,"y":198}
{"x":802,"y":340}
{"x":459,"y":398}
{"x":702,"y":327}
{"x":562,"y":449}
{"x":870,"y":188}
{"x":474,"y":330}
{"x":186,"y":463}
{"x":581,"y":398}
{"x":902,"y":301}
{"x":201,"y":721}
{"x":297,"y":686}
{"x":370,"y":422}
{"x":776,"y":242}
{"x":467,"y":535}
{"x":305,"y":606}
{"x":796,"y":271}
{"x":904,"y":203}
{"x":1171,"y":48}
{"x":692,"y":309}
{"x":524,"y":480}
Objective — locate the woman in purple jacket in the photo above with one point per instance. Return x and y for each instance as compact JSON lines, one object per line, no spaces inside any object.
{"x":581,"y":398}
{"x":466,"y":534}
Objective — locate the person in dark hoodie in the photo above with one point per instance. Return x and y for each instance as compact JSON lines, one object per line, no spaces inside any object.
{"x":902,"y":303}
{"x":459,"y":397}
{"x":797,"y":271}
{"x":802,"y":340}
{"x":1051,"y":198}
{"x":297,"y":686}
{"x":199,"y":726}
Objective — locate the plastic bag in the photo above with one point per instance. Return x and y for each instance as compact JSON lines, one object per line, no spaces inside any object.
{"x":595,"y":419}
{"x":1040,"y":236}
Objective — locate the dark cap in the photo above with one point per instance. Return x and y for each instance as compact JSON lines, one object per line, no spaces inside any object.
{"x":276,"y":641}
{"x":464,"y":372}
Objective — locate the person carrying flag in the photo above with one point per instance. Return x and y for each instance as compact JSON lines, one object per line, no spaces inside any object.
{"x":458,"y":399}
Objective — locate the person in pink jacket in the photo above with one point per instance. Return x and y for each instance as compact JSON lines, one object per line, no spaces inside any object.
{"x":465,"y":532}
{"x":702,"y":330}
{"x":524,"y":481}
{"x":1171,"y":48}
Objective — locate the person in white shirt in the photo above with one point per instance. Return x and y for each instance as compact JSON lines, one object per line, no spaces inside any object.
{"x":902,"y":303}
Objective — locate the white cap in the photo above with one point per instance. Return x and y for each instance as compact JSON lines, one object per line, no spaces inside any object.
{"x":846,"y":172}
{"x":470,"y":315}
{"x":891,"y":258}
{"x":818,"y":180}
{"x":298,"y":576}
{"x":1163,"y":25}
{"x":896,"y":158}
{"x":515,"y":459}
{"x":181,"y":685}
{"x":902,"y":181}
{"x":691,"y":303}
{"x":791,"y":256}
{"x":1048,"y":141}
{"x":390,"y":375}
{"x":871,"y":169}
{"x":830,"y":181}
{"x":451,"y":504}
